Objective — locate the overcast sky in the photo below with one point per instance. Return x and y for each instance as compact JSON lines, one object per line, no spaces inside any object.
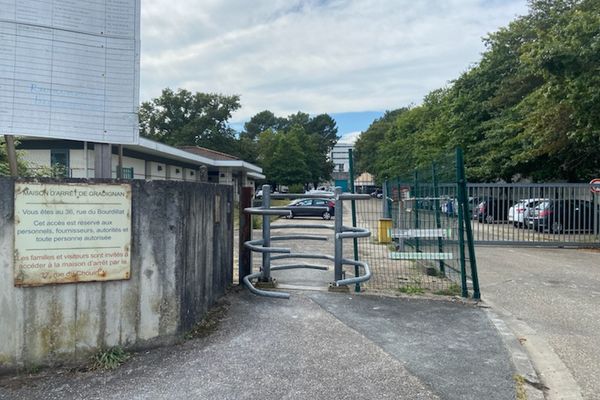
{"x":316,"y":56}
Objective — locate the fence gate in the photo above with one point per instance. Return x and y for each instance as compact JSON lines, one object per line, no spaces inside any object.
{"x":555,"y":215}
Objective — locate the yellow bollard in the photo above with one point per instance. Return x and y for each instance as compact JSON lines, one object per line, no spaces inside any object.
{"x":384,"y":227}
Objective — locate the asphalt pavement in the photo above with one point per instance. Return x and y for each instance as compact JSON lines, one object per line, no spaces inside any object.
{"x":550,"y":298}
{"x":317,"y":345}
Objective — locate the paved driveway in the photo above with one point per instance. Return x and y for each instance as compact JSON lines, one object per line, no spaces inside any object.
{"x":314,"y":346}
{"x":553,"y":297}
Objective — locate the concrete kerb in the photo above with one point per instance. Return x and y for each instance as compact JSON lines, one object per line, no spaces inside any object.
{"x":547,"y":377}
{"x":520,"y":359}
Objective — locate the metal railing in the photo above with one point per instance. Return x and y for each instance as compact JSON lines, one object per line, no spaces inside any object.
{"x":270,"y":253}
{"x":548,"y":215}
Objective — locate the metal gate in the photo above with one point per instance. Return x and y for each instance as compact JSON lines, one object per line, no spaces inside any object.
{"x":556,"y":215}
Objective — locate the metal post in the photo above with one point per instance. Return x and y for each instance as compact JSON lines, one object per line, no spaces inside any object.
{"x":416,"y":208}
{"x":245,"y":234}
{"x":355,"y":240}
{"x":85,"y":158}
{"x":102,"y":160}
{"x":467,"y":222}
{"x":339,"y":247}
{"x":11,"y":154}
{"x":461,"y":230}
{"x":385,"y":208}
{"x":266,"y":234}
{"x":120,"y":167}
{"x":438,"y":221}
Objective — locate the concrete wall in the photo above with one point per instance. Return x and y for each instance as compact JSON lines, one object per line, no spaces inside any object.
{"x":181,"y":262}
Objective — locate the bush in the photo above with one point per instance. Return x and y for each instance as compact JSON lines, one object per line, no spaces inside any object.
{"x":296,"y":188}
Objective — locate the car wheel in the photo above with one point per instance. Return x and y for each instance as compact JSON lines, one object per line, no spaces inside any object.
{"x":557,"y":227}
{"x":290,"y":215}
{"x":326,"y":215}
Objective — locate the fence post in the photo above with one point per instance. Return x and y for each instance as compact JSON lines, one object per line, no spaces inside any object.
{"x":461,"y":226}
{"x":245,"y":234}
{"x":416,"y":207}
{"x":339,"y":223}
{"x":355,"y":240}
{"x":438,"y":221}
{"x":266,"y":233}
{"x":467,"y":221}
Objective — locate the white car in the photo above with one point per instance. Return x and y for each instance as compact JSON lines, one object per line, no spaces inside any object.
{"x":520,"y":211}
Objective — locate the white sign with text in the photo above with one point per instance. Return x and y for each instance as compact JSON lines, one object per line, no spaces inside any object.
{"x":66,"y":233}
{"x":70,"y":69}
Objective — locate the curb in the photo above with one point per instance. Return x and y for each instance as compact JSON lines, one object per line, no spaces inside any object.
{"x":544,"y":373}
{"x":520,"y":359}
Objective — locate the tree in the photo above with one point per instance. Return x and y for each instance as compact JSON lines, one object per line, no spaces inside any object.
{"x":529,"y":108}
{"x":315,"y":137}
{"x":185,"y":118}
{"x":366,"y":149}
{"x":261,"y":122}
{"x":284,"y":158}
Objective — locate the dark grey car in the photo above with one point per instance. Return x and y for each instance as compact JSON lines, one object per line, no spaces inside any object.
{"x":324,"y":208}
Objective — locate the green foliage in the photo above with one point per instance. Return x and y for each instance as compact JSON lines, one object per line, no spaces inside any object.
{"x":109,"y":358}
{"x":296,"y":188}
{"x":4,"y":167}
{"x":294,"y":150}
{"x":452,"y":290}
{"x":529,"y":108}
{"x":185,"y":118}
{"x":23,"y":168}
{"x":411,"y":289}
{"x":36,"y":171}
{"x":256,"y":222}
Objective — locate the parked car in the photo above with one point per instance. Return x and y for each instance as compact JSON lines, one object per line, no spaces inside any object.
{"x":559,"y":216}
{"x":520,"y":211}
{"x":318,"y":207}
{"x":492,"y":210}
{"x":321,"y":192}
{"x":450,"y":207}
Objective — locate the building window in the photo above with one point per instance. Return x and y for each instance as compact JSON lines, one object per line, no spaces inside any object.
{"x":177,"y":170}
{"x":340,"y":167}
{"x":59,"y":161}
{"x":125,"y":173}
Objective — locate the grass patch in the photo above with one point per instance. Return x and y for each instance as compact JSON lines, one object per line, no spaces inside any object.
{"x":520,"y":383}
{"x":411,"y":289}
{"x":452,"y":290}
{"x":109,"y":359}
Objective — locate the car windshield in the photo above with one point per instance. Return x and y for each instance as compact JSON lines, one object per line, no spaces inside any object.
{"x":542,"y":205}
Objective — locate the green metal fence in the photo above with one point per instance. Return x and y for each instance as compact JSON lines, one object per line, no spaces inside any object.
{"x":422,"y":240}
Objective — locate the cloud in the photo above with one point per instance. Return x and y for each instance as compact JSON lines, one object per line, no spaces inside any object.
{"x":315,"y":56}
{"x":349,"y":138}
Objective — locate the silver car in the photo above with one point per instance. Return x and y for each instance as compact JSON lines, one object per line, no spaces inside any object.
{"x":520,"y":211}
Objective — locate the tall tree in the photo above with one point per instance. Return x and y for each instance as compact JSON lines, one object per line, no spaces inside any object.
{"x":185,"y":118}
{"x":316,"y":136}
{"x":261,"y":122}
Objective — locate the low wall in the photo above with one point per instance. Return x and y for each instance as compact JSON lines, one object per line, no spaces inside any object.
{"x":181,"y":262}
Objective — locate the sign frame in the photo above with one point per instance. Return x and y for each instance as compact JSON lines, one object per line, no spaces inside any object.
{"x":71,"y":232}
